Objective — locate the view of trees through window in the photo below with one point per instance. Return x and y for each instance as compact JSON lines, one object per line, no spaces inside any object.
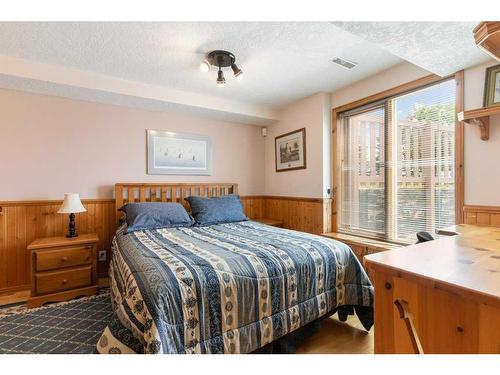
{"x":398,"y":165}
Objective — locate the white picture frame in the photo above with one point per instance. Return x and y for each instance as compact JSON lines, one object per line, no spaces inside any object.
{"x":173,"y":153}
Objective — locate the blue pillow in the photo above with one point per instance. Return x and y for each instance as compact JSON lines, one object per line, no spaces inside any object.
{"x":155,"y":215}
{"x":217,"y":210}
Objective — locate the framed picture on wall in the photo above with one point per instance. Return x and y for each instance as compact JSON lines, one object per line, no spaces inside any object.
{"x":178,"y":153}
{"x":492,"y":86}
{"x":290,"y":151}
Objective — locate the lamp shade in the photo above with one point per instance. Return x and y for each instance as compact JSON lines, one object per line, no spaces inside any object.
{"x":71,"y":204}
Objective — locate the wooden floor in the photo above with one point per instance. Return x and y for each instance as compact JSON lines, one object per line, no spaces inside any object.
{"x":335,"y":337}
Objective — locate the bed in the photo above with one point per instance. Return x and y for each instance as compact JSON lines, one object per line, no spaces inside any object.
{"x":224,"y":288}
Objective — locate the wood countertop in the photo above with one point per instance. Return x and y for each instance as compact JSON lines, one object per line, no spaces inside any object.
{"x":468,"y":263}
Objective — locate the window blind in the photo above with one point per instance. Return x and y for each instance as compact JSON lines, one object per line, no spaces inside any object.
{"x":363,"y":172}
{"x":398,"y":165}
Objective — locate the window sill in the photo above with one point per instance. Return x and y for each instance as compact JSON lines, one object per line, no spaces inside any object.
{"x":371,"y":245}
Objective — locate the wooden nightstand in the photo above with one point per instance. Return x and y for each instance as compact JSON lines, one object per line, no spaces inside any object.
{"x":62,"y":268}
{"x":272,"y":222}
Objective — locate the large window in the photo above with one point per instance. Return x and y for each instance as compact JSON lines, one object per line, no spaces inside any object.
{"x":398,"y":164}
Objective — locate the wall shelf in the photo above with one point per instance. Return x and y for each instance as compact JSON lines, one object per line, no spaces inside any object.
{"x":481,"y":118}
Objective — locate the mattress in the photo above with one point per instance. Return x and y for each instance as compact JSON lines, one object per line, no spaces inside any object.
{"x":226,"y":288}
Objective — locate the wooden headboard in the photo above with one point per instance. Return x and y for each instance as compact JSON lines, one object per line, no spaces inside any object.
{"x":158,"y":192}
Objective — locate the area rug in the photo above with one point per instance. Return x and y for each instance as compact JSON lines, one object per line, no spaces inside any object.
{"x":64,"y":328}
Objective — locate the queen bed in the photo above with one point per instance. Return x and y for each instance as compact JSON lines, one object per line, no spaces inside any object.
{"x":230,"y":287}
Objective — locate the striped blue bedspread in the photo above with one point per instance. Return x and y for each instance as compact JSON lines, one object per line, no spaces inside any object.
{"x":227,"y":288}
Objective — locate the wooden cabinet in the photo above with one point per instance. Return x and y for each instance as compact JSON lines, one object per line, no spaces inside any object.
{"x":451,"y":289}
{"x":62,"y":268}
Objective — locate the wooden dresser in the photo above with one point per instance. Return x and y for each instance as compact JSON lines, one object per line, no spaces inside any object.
{"x":62,"y":268}
{"x":450,"y":288}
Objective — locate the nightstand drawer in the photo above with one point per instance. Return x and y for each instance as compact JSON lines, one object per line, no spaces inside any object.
{"x":65,"y":257}
{"x":48,"y":282}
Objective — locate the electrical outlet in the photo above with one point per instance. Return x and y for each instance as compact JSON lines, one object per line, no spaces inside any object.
{"x":102,"y":255}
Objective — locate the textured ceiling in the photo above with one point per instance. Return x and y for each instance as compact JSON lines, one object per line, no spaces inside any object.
{"x":439,"y":47}
{"x":282,"y":61}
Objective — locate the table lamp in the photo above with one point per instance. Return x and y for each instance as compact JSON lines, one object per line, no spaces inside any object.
{"x":71,"y":205}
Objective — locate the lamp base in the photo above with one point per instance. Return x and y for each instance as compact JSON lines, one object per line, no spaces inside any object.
{"x":72,"y":227}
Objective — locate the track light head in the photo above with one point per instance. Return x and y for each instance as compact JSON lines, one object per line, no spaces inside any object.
{"x":205,"y":66}
{"x":221,"y":81}
{"x":238,"y":73}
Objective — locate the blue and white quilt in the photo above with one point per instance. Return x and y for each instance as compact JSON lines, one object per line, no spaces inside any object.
{"x":226,"y":288}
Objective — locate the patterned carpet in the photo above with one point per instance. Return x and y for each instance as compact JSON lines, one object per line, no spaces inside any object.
{"x":66,"y":327}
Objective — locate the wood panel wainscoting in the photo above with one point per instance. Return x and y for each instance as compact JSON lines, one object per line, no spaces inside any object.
{"x":23,"y":221}
{"x":482,"y":215}
{"x":311,"y":215}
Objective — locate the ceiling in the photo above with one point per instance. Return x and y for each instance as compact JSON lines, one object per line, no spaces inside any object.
{"x":282,"y":61}
{"x":123,"y":62}
{"x":439,"y":47}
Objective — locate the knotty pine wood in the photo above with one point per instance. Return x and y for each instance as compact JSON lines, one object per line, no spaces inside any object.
{"x":21,"y":222}
{"x":311,"y":215}
{"x":452,"y":288}
{"x":482,"y":215}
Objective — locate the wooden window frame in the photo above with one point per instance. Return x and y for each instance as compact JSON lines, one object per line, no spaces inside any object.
{"x":395,"y":91}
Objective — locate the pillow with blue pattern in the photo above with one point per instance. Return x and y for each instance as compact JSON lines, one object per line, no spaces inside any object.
{"x":216,"y":210}
{"x":155,"y":215}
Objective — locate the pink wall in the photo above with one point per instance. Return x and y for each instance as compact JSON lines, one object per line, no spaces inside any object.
{"x":50,"y":146}
{"x":312,"y":113}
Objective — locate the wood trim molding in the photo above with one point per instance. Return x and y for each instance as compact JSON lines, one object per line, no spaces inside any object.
{"x":302,"y":199}
{"x":51,"y":201}
{"x":412,"y":85}
{"x":487,"y":37}
{"x":474,"y":208}
{"x":459,"y":149}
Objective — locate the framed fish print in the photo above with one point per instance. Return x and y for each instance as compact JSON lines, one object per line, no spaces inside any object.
{"x":492,"y":86}
{"x":178,"y":153}
{"x":290,"y":151}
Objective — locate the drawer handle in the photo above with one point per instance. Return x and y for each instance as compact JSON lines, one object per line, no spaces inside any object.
{"x":64,"y":282}
{"x":64,"y":259}
{"x":388,"y":285}
{"x":406,"y":314}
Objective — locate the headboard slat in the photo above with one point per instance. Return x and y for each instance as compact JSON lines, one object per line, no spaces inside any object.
{"x":148,"y":192}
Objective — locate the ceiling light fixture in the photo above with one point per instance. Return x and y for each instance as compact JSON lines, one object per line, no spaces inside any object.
{"x":221,"y":59}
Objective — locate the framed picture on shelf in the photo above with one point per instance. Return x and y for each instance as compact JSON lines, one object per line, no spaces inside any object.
{"x":492,"y":86}
{"x":178,"y":153}
{"x":290,"y":151}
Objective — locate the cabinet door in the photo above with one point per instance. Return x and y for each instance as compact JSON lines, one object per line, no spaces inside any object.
{"x":445,"y":322}
{"x":408,"y":292}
